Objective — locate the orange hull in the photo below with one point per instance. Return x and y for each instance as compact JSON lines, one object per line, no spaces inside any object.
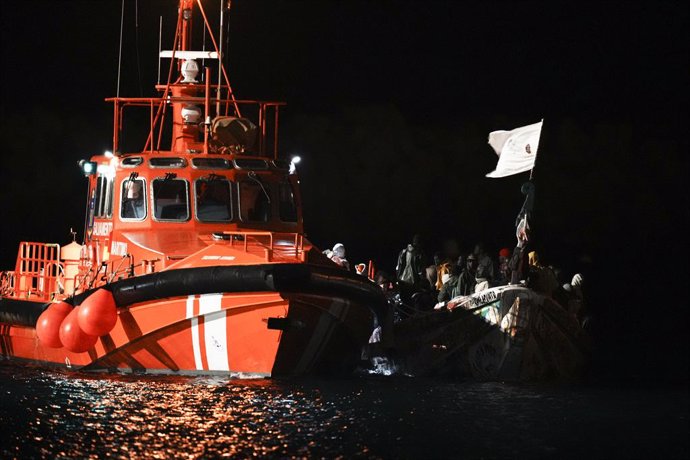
{"x":209,"y":333}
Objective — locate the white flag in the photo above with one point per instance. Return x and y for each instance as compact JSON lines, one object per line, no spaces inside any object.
{"x":516,"y":149}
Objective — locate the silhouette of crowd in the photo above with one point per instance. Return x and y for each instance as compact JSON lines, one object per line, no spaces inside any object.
{"x":419,"y":284}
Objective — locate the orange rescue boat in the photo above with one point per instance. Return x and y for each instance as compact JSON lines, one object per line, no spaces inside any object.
{"x":194,"y":256}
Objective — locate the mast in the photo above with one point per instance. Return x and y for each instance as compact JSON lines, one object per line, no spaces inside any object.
{"x":186,"y":116}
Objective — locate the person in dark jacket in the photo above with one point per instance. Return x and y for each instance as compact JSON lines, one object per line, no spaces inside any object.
{"x":411,"y":263}
{"x":467,"y":279}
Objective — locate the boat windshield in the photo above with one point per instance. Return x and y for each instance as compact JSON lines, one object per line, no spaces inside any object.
{"x":286,"y":202}
{"x":213,"y":199}
{"x":254,"y":199}
{"x":170,"y":200}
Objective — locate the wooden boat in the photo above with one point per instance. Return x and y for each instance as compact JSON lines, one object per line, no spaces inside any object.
{"x":505,"y":333}
{"x":194,"y":257}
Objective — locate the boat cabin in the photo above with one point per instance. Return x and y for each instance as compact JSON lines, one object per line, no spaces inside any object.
{"x":208,"y":175}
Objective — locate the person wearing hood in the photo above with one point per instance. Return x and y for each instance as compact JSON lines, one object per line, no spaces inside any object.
{"x":338,"y":256}
{"x":411,"y":264}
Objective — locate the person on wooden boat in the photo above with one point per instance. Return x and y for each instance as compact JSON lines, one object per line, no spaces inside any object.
{"x":424,"y":298}
{"x":450,"y":283}
{"x":467,"y":279}
{"x":541,"y":278}
{"x":481,"y":284}
{"x":443,"y":269}
{"x":503,"y":272}
{"x":518,"y":264}
{"x":411,"y":263}
{"x":338,"y":256}
{"x":485,"y":266}
{"x":383,"y":280}
{"x":431,"y":271}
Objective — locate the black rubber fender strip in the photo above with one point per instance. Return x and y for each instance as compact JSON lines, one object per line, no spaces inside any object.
{"x":21,"y":312}
{"x":289,"y":278}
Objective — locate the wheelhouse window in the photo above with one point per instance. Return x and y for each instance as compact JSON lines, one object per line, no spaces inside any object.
{"x":131,"y":162}
{"x":211,"y":163}
{"x":213,"y":199}
{"x":254,"y":200}
{"x":250,"y":163}
{"x":170,"y":201}
{"x":103,"y":206}
{"x":133,"y":204}
{"x":167,"y":162}
{"x":286,"y":202}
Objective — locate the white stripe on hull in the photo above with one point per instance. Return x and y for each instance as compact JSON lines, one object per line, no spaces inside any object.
{"x":195,"y":333}
{"x":215,"y":332}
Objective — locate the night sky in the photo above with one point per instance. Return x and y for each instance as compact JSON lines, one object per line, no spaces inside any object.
{"x":389,"y":106}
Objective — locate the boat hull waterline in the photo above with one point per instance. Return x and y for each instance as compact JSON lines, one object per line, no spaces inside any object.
{"x":271,"y":320}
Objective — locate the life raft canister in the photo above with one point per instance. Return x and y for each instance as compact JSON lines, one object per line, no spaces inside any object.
{"x":48,"y":324}
{"x":98,"y":313}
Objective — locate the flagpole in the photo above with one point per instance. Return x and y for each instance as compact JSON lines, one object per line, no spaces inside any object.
{"x":536,"y":154}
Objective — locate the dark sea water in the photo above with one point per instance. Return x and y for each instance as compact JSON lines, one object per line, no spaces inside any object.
{"x":49,"y":414}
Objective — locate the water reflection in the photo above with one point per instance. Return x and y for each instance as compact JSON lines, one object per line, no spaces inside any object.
{"x":51,"y":414}
{"x":164,"y":417}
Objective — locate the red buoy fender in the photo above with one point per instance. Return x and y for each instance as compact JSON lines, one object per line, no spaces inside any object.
{"x":71,"y":335}
{"x":48,"y":324}
{"x":98,"y":313}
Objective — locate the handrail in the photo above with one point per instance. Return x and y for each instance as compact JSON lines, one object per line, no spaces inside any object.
{"x":294,"y":249}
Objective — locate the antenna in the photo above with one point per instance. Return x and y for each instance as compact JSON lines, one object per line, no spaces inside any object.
{"x":119,"y":57}
{"x":160,"y":40}
{"x":220,"y":59}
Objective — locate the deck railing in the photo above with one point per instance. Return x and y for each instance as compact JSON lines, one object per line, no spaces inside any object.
{"x":37,"y":272}
{"x":272,"y":246}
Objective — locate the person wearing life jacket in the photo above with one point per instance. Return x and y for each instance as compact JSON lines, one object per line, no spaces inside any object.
{"x":338,"y":256}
